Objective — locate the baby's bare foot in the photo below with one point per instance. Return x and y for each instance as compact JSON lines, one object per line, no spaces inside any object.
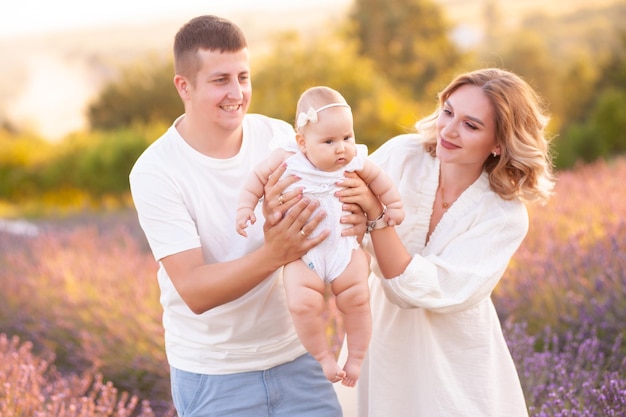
{"x":352,"y":370}
{"x":332,"y":371}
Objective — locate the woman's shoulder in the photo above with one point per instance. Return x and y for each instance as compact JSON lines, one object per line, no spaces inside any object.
{"x":510,"y":211}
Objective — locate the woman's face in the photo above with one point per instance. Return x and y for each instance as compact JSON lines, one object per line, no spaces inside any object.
{"x":466,"y":128}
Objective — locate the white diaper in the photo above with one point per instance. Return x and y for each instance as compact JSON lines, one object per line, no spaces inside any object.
{"x":331,"y":257}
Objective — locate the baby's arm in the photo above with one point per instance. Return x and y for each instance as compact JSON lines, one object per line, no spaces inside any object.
{"x":252,"y":189}
{"x":382,"y":186}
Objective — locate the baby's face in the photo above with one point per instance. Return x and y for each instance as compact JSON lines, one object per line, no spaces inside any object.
{"x":330,"y":144}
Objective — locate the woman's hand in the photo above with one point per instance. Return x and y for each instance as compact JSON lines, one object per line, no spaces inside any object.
{"x":355,"y":191}
{"x":356,"y":218}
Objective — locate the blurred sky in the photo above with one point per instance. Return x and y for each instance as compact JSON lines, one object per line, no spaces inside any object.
{"x":25,"y":17}
{"x":46,"y":42}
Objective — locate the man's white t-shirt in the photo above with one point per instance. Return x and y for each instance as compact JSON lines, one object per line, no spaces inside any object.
{"x":187,"y":200}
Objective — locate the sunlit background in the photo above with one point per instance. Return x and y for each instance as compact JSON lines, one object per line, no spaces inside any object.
{"x":48,"y":71}
{"x":86,"y":86}
{"x":57,"y":55}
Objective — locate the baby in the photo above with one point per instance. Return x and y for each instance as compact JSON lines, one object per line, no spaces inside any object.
{"x":323,"y":151}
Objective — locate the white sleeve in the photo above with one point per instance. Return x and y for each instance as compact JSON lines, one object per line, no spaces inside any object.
{"x":283,"y":136}
{"x":467,"y":270}
{"x":163,"y":215}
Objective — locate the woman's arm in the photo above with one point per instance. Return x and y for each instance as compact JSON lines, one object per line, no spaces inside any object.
{"x":389,"y":250}
{"x":383,"y":187}
{"x":462,"y":265}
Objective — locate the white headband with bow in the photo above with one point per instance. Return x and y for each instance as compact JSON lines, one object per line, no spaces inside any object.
{"x":311,"y":114}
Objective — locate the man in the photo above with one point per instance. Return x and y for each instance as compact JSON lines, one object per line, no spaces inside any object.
{"x":229,"y":339}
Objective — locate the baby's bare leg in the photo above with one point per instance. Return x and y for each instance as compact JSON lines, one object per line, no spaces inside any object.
{"x":305,"y":298}
{"x":352,"y":298}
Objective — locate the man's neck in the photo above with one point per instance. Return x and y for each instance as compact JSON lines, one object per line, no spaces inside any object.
{"x":211,"y":141}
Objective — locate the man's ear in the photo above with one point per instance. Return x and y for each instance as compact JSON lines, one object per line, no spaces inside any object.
{"x":182,"y":86}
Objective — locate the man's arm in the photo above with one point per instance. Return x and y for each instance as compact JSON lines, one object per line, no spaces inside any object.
{"x":204,"y":286}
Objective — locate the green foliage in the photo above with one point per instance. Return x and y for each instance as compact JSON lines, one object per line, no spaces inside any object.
{"x":598,"y":129}
{"x":280,"y":78}
{"x":104,"y":166}
{"x":96,"y":163}
{"x":602,"y":135}
{"x":144,"y":94}
{"x":572,"y":60}
{"x":389,"y":61}
{"x":592,"y":29}
{"x":16,"y":154}
{"x":614,"y":69}
{"x":526,"y":53}
{"x":408,"y":41}
{"x":574,"y":102}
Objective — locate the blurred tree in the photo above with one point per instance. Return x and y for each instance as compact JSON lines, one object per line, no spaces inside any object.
{"x":104,"y":166}
{"x":526,"y":54}
{"x":295,"y":65}
{"x":18,"y":154}
{"x":408,"y":41}
{"x":602,"y":135}
{"x":614,"y":68}
{"x":571,"y":59}
{"x":95,"y":163}
{"x":576,"y":87}
{"x":598,"y":128}
{"x":143,"y":94}
{"x":608,"y":120}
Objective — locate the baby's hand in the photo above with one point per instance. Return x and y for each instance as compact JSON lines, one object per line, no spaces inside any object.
{"x":243,"y":217}
{"x":394,"y":216}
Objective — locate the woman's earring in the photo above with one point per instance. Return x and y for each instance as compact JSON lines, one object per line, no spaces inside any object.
{"x":494,"y":154}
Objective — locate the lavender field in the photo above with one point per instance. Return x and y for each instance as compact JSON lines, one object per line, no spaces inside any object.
{"x":80,"y":331}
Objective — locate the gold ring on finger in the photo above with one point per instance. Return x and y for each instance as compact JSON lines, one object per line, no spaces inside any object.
{"x":302,"y":232}
{"x":280,"y":200}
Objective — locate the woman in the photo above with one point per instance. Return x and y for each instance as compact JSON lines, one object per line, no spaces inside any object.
{"x":437,"y":347}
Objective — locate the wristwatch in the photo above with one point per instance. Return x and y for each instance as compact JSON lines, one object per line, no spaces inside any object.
{"x":378,"y":223}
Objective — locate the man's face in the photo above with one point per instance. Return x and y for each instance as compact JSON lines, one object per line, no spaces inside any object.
{"x":222,"y":89}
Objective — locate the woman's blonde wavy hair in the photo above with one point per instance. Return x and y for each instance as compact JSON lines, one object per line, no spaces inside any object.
{"x":524,"y":167}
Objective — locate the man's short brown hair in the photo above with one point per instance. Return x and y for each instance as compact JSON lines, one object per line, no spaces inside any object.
{"x":208,"y":32}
